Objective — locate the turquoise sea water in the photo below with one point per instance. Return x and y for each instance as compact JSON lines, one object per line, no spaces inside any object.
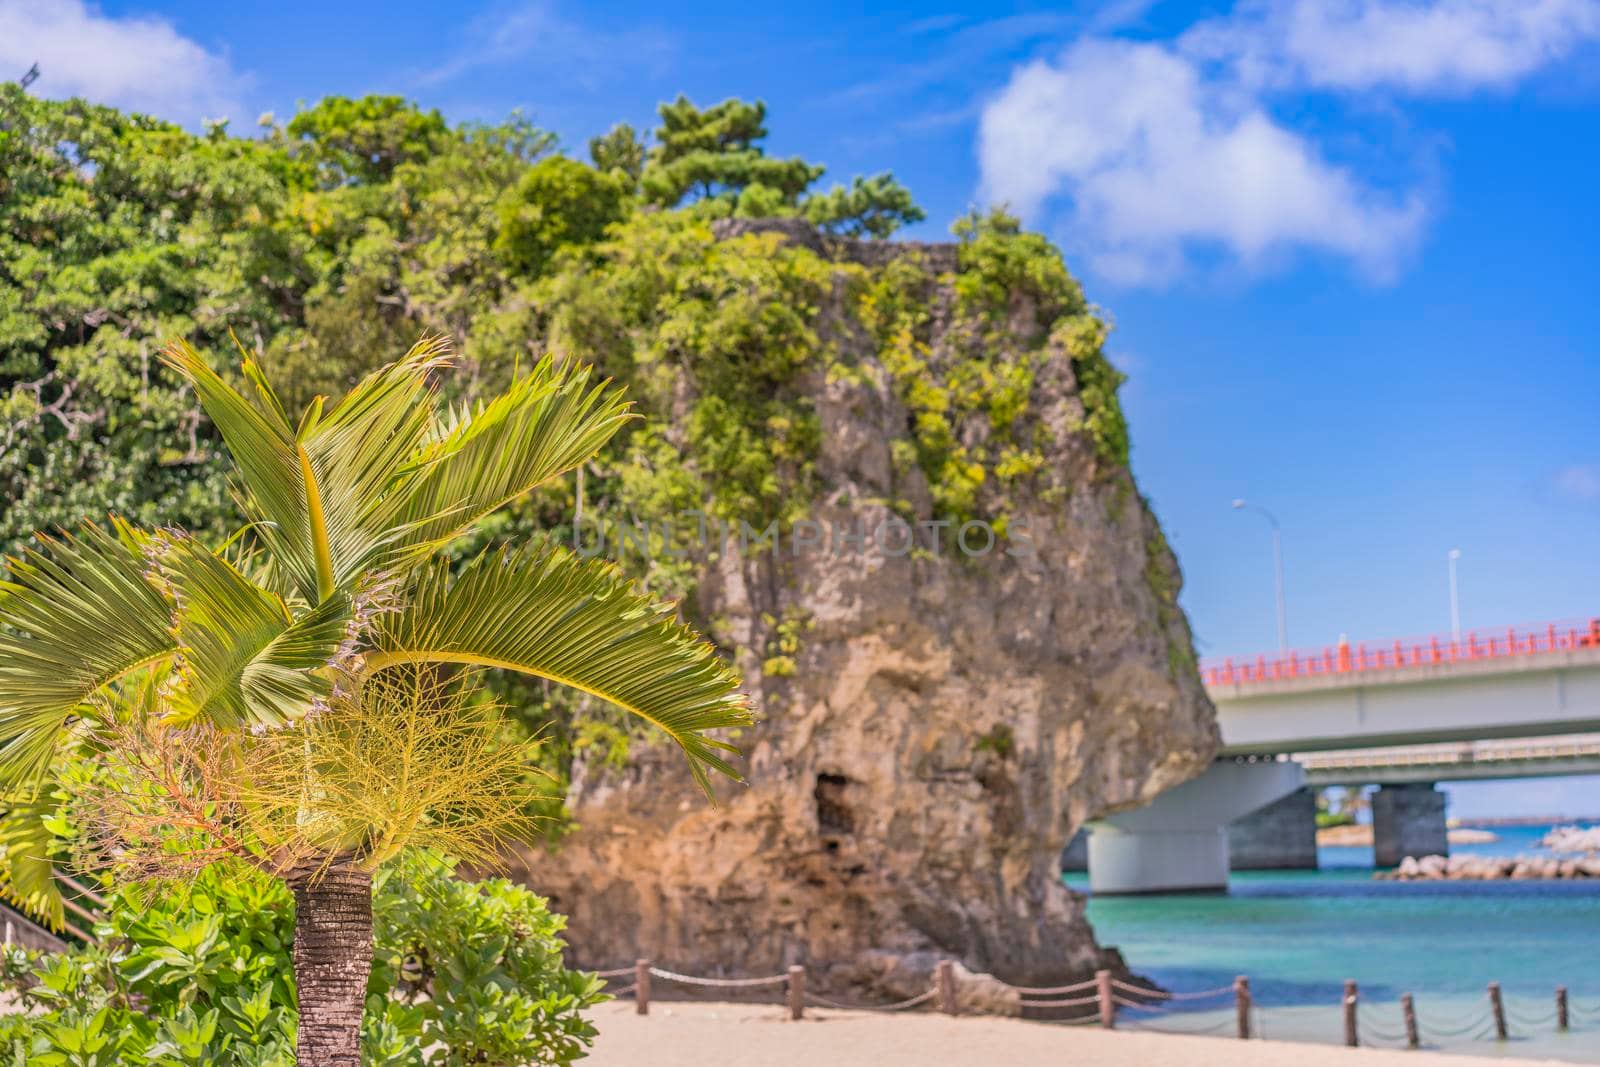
{"x":1298,"y":935}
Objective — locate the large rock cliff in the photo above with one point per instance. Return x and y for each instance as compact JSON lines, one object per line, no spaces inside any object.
{"x":938,"y":718}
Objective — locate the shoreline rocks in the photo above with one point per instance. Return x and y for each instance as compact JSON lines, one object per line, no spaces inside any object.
{"x":1491,"y":869}
{"x":1573,"y":839}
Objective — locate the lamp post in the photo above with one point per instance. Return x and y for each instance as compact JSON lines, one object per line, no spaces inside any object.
{"x":1455,"y":597}
{"x":1277,"y":567}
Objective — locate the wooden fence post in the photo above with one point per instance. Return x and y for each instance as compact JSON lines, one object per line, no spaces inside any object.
{"x":1351,"y":1036}
{"x":1241,"y":996}
{"x":641,"y":986}
{"x":797,"y":991}
{"x":1499,"y":1010}
{"x":1561,"y":1007}
{"x":1108,"y":1006}
{"x":947,"y":987}
{"x":1409,"y":1009}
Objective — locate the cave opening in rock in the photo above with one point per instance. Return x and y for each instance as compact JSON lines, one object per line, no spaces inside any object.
{"x":834,"y":816}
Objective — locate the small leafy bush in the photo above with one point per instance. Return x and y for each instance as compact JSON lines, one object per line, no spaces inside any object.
{"x":476,"y":966}
{"x":463,"y":972}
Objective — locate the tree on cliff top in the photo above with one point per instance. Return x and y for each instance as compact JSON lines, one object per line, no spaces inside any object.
{"x":365,"y":140}
{"x":302,"y":698}
{"x":714,"y":156}
{"x":619,"y":149}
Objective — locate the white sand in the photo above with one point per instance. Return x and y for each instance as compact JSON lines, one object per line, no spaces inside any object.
{"x":677,"y":1034}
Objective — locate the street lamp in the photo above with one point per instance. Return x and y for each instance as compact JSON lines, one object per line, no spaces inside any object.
{"x":1277,"y":567}
{"x":1455,"y":597}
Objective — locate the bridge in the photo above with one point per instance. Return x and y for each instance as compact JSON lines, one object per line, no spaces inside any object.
{"x":1543,"y":757}
{"x":1402,"y":714}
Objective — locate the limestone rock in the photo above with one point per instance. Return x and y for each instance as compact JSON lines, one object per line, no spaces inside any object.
{"x":983,"y":994}
{"x":1471,"y":868}
{"x":950,"y":722}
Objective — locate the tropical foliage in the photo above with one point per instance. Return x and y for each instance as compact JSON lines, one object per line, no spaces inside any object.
{"x":469,"y":971}
{"x":301,"y":697}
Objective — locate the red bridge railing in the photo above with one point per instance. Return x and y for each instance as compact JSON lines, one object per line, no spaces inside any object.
{"x":1347,"y":658}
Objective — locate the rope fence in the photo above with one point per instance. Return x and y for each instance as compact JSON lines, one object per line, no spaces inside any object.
{"x":899,"y":1005}
{"x":1106,"y":999}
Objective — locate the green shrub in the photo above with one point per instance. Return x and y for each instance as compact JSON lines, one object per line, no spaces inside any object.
{"x":465,"y":972}
{"x":477,"y":965}
{"x":557,"y":202}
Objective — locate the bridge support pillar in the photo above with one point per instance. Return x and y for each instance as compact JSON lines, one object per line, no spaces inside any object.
{"x":1157,"y":861}
{"x":1075,"y":857}
{"x":1179,"y":841}
{"x":1280,"y":836}
{"x":1408,"y":820}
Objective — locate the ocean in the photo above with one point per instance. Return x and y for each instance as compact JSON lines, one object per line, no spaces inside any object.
{"x":1298,"y":935}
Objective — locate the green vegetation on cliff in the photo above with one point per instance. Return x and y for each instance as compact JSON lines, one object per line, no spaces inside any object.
{"x":333,"y":240}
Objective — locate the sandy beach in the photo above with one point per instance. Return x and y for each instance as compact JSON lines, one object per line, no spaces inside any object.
{"x":748,"y":1035}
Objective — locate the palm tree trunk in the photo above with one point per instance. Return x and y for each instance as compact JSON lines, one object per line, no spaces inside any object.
{"x":332,"y":960}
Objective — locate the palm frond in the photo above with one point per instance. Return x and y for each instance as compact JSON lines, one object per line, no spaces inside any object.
{"x":77,"y":614}
{"x":549,"y":421}
{"x":268,"y":461}
{"x":362,"y":450}
{"x":579,"y":623}
{"x":243,"y":659}
{"x":27,"y":863}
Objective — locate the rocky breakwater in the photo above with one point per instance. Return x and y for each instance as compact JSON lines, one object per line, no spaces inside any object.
{"x":940,"y":713}
{"x":1489,"y":869}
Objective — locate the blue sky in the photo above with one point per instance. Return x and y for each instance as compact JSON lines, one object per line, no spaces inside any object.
{"x":1348,"y":244}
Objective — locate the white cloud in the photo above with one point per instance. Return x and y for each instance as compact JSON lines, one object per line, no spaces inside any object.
{"x":1580,"y":481}
{"x":1416,"y":46}
{"x":1160,"y":151}
{"x":1156,"y":160}
{"x":141,"y":63}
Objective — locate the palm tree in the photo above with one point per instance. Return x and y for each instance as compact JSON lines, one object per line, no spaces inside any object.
{"x":336,"y":582}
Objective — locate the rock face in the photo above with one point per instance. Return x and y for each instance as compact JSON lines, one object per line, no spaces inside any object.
{"x":943,"y":723}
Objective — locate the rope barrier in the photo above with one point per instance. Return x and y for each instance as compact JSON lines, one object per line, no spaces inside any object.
{"x":1149,"y":1005}
{"x":1149,"y":1009}
{"x":1204,"y":994}
{"x":1050,"y":991}
{"x":899,"y":1005}
{"x":1217,"y":1027}
{"x":1485,"y":1033}
{"x":1363,"y":1014}
{"x":1473,"y":1031}
{"x":1545,"y":1019}
{"x":1135,"y":1005}
{"x":1473,"y":1018}
{"x":1161,"y":994}
{"x":1071,"y":1002}
{"x":1425,"y":1027}
{"x":719,"y":983}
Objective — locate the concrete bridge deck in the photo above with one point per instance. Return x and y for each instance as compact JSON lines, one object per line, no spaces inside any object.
{"x":1455,"y":762}
{"x":1529,"y":695}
